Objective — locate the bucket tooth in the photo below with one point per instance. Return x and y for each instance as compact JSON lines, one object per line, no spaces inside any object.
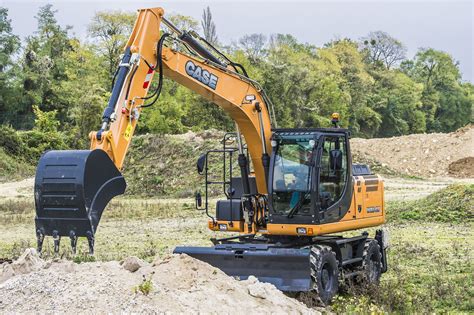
{"x":90,"y":240}
{"x":39,"y":240}
{"x":73,"y":238}
{"x":57,"y":240}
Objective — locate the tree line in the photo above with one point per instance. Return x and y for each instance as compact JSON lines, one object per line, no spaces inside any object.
{"x":378,"y":91}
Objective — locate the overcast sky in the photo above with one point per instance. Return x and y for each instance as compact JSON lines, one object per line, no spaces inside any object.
{"x":444,"y":25}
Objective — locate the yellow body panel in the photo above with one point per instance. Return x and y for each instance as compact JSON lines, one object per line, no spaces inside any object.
{"x":367,"y":209}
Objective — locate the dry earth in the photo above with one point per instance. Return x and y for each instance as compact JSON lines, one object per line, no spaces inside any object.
{"x":179,"y":284}
{"x":422,"y":155}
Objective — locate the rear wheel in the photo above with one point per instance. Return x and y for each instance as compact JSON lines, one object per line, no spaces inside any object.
{"x":324,"y":274}
{"x":371,"y":263}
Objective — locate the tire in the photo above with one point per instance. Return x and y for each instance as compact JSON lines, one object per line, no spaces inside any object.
{"x":371,"y":263}
{"x":324,"y":274}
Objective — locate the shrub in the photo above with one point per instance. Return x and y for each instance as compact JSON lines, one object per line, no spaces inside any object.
{"x":37,"y":142}
{"x":10,"y":140}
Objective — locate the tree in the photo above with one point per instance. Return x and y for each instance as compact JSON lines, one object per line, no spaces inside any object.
{"x":9,"y":45}
{"x":84,"y":91}
{"x":184,"y":22}
{"x":208,"y":26}
{"x":43,"y":64}
{"x":397,"y":99}
{"x":447,"y":102}
{"x":382,"y":49}
{"x":254,"y":46}
{"x":111,"y":30}
{"x":357,"y":84}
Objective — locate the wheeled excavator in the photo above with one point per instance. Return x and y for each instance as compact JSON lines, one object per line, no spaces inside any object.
{"x":295,"y":189}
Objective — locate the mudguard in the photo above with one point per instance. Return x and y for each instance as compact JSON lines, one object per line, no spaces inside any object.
{"x":72,"y":188}
{"x":286,"y":268}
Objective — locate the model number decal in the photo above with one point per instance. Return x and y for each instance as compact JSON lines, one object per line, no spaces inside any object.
{"x":373,"y":209}
{"x":202,"y":75}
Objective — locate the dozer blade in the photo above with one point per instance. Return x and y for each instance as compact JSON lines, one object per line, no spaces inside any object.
{"x":72,"y":189}
{"x":286,"y":268}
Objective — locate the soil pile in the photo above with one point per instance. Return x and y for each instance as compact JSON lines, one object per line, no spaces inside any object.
{"x":179,"y":284}
{"x":423,"y":155}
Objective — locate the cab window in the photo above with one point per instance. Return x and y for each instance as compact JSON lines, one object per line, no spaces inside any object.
{"x":292,"y":177}
{"x":333,"y":172}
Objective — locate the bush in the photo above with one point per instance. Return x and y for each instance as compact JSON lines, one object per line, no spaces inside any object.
{"x":37,"y":142}
{"x":10,"y":140}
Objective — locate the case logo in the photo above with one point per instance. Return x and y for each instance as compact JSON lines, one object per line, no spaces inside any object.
{"x":202,"y":75}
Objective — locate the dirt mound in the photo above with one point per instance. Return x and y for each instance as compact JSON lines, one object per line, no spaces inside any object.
{"x":423,"y":155}
{"x":462,"y":167}
{"x":179,"y":284}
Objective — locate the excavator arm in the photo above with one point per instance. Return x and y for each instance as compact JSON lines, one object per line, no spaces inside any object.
{"x":72,"y":188}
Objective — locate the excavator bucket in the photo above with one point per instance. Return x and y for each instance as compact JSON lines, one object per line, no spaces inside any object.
{"x":72,"y":189}
{"x":286,"y":268}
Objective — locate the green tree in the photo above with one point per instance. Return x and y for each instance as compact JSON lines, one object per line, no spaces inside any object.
{"x":84,"y":91}
{"x":357,"y":84}
{"x":43,"y":64}
{"x":9,"y":46}
{"x":447,"y":103}
{"x":111,"y":31}
{"x":397,"y":99}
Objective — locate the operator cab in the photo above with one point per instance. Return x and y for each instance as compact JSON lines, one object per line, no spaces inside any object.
{"x":310,"y":178}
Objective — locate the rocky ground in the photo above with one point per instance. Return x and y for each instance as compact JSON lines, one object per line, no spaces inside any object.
{"x":174,"y":284}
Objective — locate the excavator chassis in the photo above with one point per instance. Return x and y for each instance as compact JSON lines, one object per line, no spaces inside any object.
{"x":285,"y":264}
{"x":72,"y":188}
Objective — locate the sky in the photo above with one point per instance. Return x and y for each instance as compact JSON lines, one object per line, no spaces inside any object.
{"x":443,"y":25}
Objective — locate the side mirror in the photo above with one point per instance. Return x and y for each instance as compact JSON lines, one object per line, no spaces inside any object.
{"x":198,"y":200}
{"x":335,"y":160}
{"x":200,"y":163}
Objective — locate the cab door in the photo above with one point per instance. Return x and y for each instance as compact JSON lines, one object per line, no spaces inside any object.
{"x":335,"y":177}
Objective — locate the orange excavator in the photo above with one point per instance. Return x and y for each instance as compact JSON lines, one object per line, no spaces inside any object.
{"x":296,"y":187}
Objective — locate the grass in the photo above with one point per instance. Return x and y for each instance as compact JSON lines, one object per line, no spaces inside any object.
{"x":453,"y":204}
{"x":430,"y":260}
{"x":13,"y":168}
{"x":145,"y":287}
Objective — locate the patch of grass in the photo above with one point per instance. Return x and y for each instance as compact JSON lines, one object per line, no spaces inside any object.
{"x":454,"y":204}
{"x":430,"y":270}
{"x":145,"y":287}
{"x":165,"y":165}
{"x":17,"y":210}
{"x":13,"y":168}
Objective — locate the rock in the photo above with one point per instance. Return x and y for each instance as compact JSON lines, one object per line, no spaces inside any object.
{"x":29,"y":261}
{"x":132,"y":263}
{"x":6,"y":272}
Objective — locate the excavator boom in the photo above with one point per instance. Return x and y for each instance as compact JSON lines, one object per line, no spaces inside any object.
{"x":72,"y":188}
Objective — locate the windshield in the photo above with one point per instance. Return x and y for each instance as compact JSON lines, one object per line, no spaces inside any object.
{"x":292,"y":176}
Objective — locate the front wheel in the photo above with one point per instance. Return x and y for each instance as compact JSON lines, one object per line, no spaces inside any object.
{"x":324,"y":274}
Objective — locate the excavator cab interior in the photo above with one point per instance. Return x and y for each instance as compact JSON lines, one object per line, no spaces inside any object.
{"x":310,"y":174}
